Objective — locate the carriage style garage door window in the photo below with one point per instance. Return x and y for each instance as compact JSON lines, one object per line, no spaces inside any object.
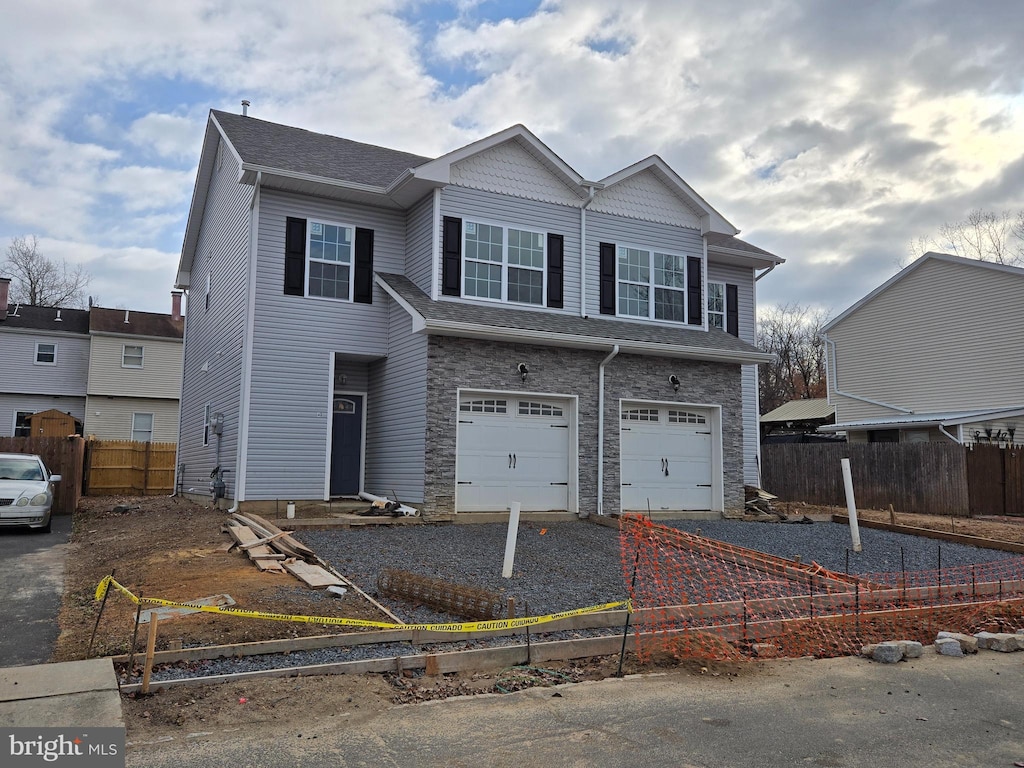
{"x":512,"y":448}
{"x":667,"y":457}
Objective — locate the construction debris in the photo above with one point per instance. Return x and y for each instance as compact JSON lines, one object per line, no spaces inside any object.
{"x":387,"y":507}
{"x":456,"y":599}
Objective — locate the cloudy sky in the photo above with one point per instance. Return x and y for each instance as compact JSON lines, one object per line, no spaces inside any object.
{"x":832,"y":133}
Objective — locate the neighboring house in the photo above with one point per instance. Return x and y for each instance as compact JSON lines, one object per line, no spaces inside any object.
{"x":933,"y":354}
{"x":45,"y":353}
{"x":116,"y":372}
{"x":797,"y":419}
{"x":464,"y":331}
{"x":134,"y":374}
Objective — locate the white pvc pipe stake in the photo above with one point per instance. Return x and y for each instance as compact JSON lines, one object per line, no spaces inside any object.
{"x":851,"y":505}
{"x":510,"y":540}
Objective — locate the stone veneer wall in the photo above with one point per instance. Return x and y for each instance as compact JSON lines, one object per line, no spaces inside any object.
{"x":472,"y":364}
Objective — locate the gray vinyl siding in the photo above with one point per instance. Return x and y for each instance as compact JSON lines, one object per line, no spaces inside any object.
{"x":945,"y":337}
{"x":396,"y":414}
{"x":214,"y":337}
{"x":68,"y":377}
{"x":12,"y":403}
{"x":419,"y":230}
{"x":743,"y":279}
{"x":604,"y":228}
{"x":488,"y":207}
{"x":293,"y":338}
{"x":160,"y":375}
{"x":110,"y":418}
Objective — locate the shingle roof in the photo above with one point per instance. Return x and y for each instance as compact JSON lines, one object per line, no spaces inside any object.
{"x":282,"y":147}
{"x":717,"y":239}
{"x":551,"y":325}
{"x":138,"y":323}
{"x":45,"y":318}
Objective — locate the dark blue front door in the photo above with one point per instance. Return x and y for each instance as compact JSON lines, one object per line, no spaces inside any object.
{"x":346,"y":445}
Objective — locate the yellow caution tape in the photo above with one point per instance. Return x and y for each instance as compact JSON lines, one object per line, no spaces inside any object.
{"x":471,"y":626}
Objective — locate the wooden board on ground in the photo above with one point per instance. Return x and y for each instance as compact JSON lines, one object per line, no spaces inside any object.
{"x":312,"y":575}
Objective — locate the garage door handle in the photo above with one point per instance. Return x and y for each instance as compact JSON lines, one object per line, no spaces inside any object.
{"x":626,"y":483}
{"x":703,"y":433}
{"x":666,"y":467}
{"x":559,"y":426}
{"x":703,"y":485}
{"x":514,"y":460}
{"x":462,"y":421}
{"x":510,"y":461}
{"x":559,"y":483}
{"x":465,"y":482}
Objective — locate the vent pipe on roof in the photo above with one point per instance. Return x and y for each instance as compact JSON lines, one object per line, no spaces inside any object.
{"x":245,"y":107}
{"x":58,"y":318}
{"x":126,"y":317}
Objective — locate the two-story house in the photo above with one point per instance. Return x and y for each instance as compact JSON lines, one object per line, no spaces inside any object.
{"x":116,"y":372}
{"x":134,"y":374}
{"x":46,"y":359}
{"x":933,"y":354}
{"x":462,"y":332}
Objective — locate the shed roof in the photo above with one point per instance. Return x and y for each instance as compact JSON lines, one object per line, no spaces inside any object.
{"x":801,"y":410}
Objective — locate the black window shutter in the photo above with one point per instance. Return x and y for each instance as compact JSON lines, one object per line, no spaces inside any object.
{"x":556,"y":244}
{"x":363,"y":289}
{"x":607,"y":278}
{"x":451,"y":257}
{"x":732,"y":310}
{"x":295,"y":257}
{"x":694,"y":310}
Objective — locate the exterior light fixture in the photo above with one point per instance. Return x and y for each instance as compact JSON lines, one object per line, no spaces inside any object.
{"x":674,"y":381}
{"x":523,"y":371}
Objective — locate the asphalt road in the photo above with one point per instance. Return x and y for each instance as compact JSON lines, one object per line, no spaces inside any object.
{"x":31,"y":584}
{"x":936,"y":711}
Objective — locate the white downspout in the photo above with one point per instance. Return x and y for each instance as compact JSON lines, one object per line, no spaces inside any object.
{"x":838,"y":391}
{"x":957,"y":440}
{"x":600,"y":428}
{"x":243,"y":406}
{"x":758,"y":277}
{"x":583,"y":252}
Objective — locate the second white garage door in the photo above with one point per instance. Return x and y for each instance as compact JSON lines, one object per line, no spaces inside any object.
{"x":666,"y":457}
{"x":512,"y":448}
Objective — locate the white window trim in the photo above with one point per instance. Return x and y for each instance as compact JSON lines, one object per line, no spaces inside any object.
{"x":725,"y":304}
{"x":504,"y":263}
{"x":152,"y":426}
{"x":142,"y":355}
{"x":651,"y":285}
{"x":351,"y":264}
{"x":37,"y":361}
{"x":207,"y":410}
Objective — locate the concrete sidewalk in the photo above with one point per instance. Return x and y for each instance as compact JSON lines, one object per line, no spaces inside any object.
{"x":78,"y":694}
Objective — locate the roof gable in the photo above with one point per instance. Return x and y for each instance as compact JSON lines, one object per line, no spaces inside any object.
{"x":651,"y":190}
{"x":929,"y":259}
{"x":511,"y":168}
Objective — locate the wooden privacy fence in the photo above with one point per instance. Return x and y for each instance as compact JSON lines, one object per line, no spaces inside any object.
{"x":124,"y":467}
{"x":63,"y":456}
{"x":913,"y":477}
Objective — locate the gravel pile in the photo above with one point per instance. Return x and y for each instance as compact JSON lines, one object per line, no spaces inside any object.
{"x":559,"y":566}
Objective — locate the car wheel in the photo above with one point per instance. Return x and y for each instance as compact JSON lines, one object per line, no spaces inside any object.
{"x":48,"y":527}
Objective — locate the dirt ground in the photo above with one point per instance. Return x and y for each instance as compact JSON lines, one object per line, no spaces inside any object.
{"x":172,"y":549}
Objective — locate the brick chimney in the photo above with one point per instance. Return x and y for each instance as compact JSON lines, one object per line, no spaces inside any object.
{"x":175,"y":305}
{"x":5,"y":285}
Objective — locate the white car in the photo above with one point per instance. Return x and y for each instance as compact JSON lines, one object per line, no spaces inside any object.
{"x":26,"y":491}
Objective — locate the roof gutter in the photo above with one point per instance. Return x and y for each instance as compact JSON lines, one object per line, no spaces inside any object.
{"x":577,"y":341}
{"x":838,"y":391}
{"x":600,"y":428}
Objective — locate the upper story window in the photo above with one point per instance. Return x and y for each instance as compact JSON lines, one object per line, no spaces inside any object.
{"x":329,"y":260}
{"x":46,"y":353}
{"x":651,"y":284}
{"x":131,"y":356}
{"x":503,"y":263}
{"x":716,"y":305}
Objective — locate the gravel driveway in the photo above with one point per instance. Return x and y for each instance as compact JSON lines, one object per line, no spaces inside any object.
{"x":575,"y":564}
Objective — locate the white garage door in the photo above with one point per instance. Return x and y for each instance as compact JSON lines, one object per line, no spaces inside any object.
{"x":665,"y":457}
{"x":512,"y":449}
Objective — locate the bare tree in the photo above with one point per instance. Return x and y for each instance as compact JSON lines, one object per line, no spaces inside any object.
{"x":983,"y":235}
{"x":793,"y":333}
{"x":39,"y":281}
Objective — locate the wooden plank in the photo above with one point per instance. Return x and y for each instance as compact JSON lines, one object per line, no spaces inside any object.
{"x":287,"y":539}
{"x":312,"y":575}
{"x":958,"y":538}
{"x":268,"y":565}
{"x":264,"y":540}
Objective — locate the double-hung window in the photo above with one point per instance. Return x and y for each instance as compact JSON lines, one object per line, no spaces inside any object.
{"x":142,"y":427}
{"x":651,"y":284}
{"x":131,"y":356}
{"x":716,"y":305}
{"x":329,"y":260}
{"x":46,"y":354}
{"x":503,"y":263}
